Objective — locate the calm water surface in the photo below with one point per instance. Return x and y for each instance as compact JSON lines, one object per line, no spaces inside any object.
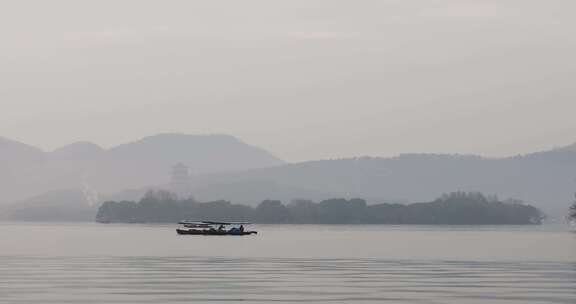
{"x":91,"y":263}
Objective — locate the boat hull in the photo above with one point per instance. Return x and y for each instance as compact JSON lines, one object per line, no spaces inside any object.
{"x":208,"y":232}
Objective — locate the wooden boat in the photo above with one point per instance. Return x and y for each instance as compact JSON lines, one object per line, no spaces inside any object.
{"x":213,"y":228}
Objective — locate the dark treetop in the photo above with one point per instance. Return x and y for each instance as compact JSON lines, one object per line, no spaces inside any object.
{"x":457,"y":208}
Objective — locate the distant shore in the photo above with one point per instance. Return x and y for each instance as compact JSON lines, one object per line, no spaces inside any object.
{"x":457,"y":208}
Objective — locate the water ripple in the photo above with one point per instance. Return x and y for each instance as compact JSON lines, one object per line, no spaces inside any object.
{"x":185,"y":280}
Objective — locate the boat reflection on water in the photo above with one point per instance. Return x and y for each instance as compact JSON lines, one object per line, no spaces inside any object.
{"x":213,"y":228}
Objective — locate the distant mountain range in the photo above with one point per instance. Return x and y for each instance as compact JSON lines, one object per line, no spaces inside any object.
{"x":226,"y":168}
{"x":545,"y":179}
{"x":27,"y":171}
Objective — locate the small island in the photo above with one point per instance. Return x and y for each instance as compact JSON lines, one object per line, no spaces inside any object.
{"x":458,"y":208}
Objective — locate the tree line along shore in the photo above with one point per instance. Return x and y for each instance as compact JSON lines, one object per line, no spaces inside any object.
{"x":458,"y":208}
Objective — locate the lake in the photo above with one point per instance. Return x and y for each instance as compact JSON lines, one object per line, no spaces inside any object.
{"x":109,"y":263}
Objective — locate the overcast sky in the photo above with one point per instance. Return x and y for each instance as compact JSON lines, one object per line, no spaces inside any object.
{"x":304,"y":79}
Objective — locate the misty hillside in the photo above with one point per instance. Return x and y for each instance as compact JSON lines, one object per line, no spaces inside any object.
{"x":15,"y":153}
{"x":545,"y":179}
{"x":77,"y":151}
{"x":225,"y":168}
{"x":60,"y":205}
{"x":210,"y":153}
{"x":26,"y":171}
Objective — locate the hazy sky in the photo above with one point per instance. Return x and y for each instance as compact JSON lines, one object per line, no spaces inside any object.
{"x":304,"y":79}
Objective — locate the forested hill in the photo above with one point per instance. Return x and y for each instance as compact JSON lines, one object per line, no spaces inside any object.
{"x":545,"y":179}
{"x":454,"y":209}
{"x":227,"y":169}
{"x":26,"y":171}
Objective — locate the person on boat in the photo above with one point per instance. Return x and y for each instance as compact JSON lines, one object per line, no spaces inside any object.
{"x":241,"y":228}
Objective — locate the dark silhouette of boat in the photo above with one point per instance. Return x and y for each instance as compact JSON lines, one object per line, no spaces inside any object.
{"x":213,"y":228}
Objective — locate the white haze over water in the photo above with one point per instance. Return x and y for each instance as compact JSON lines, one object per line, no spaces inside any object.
{"x":304,"y":79}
